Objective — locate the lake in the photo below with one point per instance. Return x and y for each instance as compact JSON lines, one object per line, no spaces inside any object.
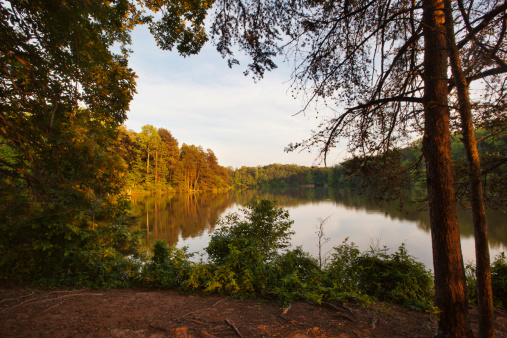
{"x":189,"y":220}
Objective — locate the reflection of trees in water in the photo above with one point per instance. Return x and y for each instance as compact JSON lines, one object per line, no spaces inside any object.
{"x":188,"y":215}
{"x":167,"y":217}
{"x":410,"y":207}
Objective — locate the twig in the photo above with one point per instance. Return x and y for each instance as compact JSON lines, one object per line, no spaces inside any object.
{"x":339,"y":309}
{"x":9,"y":299}
{"x":234,"y":327}
{"x":286,"y":319}
{"x":188,"y":313}
{"x":15,"y":306}
{"x":374,"y":321}
{"x":286,"y":310}
{"x":67,"y":291}
{"x":157,"y":327}
{"x":341,"y":315}
{"x":51,"y":307}
{"x":341,"y":306}
{"x":67,"y":296}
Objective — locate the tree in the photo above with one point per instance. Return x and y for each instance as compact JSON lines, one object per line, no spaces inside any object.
{"x":386,"y":62}
{"x":65,"y":89}
{"x":484,"y":287}
{"x":150,"y":141}
{"x":194,"y":165}
{"x":173,"y":155}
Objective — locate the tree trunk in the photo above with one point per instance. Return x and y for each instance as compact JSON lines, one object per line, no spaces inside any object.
{"x":450,"y":286}
{"x":156,"y":166}
{"x":148,"y":165}
{"x":484,"y":290}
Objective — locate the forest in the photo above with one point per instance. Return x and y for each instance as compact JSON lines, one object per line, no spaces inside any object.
{"x":390,"y":69}
{"x":386,"y":175}
{"x":155,"y":163}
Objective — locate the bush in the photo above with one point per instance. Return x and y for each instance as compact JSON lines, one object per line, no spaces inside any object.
{"x":388,"y":277}
{"x":297,"y":276}
{"x":243,"y":248}
{"x":248,"y":258}
{"x":499,"y":278}
{"x":265,"y":229}
{"x":498,"y":281}
{"x":170,"y":267}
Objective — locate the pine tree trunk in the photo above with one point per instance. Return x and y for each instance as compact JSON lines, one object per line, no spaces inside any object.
{"x":484,"y":290}
{"x":450,"y":286}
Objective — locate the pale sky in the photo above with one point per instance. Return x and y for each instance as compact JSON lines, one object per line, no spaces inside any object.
{"x":201,"y":101}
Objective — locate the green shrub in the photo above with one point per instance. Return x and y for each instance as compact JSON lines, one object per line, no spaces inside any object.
{"x":471,"y":279}
{"x":388,"y":277}
{"x":297,"y":276}
{"x":170,"y":267}
{"x":343,"y":271}
{"x":264,"y":228}
{"x":499,"y":278}
{"x":242,"y":250}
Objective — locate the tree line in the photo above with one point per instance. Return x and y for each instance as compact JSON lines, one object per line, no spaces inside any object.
{"x":385,"y":176}
{"x":156,"y":163}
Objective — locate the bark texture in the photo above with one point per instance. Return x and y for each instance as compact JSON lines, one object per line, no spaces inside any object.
{"x":484,"y":289}
{"x":450,"y":285}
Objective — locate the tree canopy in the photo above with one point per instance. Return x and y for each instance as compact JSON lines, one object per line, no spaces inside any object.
{"x":65,"y":89}
{"x":382,"y":66}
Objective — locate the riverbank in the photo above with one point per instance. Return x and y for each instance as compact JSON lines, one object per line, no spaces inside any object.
{"x":166,"y":313}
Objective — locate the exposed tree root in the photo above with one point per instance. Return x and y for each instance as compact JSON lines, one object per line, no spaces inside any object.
{"x":34,"y":301}
{"x":234,"y":327}
{"x":191,"y":312}
{"x":10,"y":299}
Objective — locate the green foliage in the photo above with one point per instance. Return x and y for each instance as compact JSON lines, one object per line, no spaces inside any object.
{"x":169,"y":266}
{"x":342,"y":269}
{"x":298,"y":277}
{"x":393,"y":277}
{"x":498,"y":280}
{"x":243,"y":249}
{"x":247,"y":258}
{"x":156,"y":164}
{"x":67,"y":254}
{"x":264,"y":231}
{"x":471,"y":279}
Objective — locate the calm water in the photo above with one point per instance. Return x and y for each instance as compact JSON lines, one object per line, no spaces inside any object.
{"x":189,"y":219}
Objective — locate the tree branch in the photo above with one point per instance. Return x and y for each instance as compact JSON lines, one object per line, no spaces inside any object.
{"x":486,"y":20}
{"x":26,"y":175}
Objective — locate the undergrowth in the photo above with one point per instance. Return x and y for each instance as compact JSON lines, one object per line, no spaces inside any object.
{"x":498,"y":281}
{"x":248,"y":256}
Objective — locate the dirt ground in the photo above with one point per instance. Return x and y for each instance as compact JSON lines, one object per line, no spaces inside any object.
{"x":165,"y":313}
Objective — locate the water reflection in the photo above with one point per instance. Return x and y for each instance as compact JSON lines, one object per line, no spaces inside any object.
{"x":177,"y":217}
{"x":189,"y":219}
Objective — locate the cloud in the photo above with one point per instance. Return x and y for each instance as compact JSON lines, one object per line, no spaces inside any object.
{"x":203,"y":102}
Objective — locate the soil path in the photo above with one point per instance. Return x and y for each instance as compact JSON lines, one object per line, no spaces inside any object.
{"x":165,"y":313}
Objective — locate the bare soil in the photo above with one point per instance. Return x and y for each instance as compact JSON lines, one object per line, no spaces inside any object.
{"x":165,"y":313}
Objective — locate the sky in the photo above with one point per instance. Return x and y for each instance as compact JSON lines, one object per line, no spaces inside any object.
{"x":202,"y":101}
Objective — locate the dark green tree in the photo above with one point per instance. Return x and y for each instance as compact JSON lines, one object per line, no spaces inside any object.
{"x":65,"y":88}
{"x":384,"y":63}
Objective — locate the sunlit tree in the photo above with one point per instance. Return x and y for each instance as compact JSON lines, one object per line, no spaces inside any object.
{"x":385,"y":66}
